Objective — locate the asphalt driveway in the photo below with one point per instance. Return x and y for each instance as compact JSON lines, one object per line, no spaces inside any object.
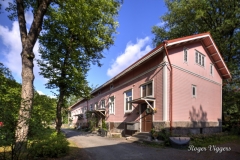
{"x":103,"y":148}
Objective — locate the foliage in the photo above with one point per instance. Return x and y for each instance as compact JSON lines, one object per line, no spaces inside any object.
{"x":92,"y":120}
{"x":231,"y":109}
{"x":72,"y":99}
{"x":17,"y":9}
{"x":204,"y":140}
{"x":9,"y":104}
{"x":50,"y":144}
{"x":161,"y":134}
{"x":42,"y":114}
{"x":104,"y":125}
{"x":75,"y":35}
{"x":221,"y":19}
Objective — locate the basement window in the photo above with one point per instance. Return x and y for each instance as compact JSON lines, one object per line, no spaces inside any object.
{"x":194,"y":91}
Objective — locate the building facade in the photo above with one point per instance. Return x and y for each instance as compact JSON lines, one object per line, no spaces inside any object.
{"x":178,"y":85}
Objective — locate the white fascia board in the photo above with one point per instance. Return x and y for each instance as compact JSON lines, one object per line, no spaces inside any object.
{"x":185,"y":40}
{"x":220,"y":56}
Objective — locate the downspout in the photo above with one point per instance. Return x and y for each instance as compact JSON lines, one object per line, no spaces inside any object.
{"x":87,"y":111}
{"x":171,"y":84}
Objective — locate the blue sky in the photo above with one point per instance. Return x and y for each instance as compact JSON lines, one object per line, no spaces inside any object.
{"x":134,"y":39}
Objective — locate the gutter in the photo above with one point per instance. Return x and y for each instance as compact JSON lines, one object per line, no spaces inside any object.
{"x":171,"y":84}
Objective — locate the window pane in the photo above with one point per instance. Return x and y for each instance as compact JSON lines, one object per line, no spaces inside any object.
{"x":185,"y":55}
{"x":211,"y":69}
{"x":143,"y":91}
{"x":126,"y":103}
{"x":149,"y":89}
{"x":202,"y":60}
{"x":130,"y":105}
{"x":129,"y":93}
{"x":194,"y":91}
{"x":199,"y":58}
{"x":196,"y":57}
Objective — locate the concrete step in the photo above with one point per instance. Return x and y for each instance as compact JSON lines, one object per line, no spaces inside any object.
{"x":116,"y":135}
{"x":141,"y":134}
{"x":141,"y":140}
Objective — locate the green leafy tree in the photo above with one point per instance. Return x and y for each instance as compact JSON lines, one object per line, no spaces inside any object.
{"x":221,"y":19}
{"x":10,"y":99}
{"x":43,"y":113}
{"x":29,"y":37}
{"x":74,"y":37}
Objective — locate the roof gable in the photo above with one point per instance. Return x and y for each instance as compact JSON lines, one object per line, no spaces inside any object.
{"x":209,"y":46}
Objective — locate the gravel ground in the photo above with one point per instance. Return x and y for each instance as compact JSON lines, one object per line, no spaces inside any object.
{"x":94,"y":147}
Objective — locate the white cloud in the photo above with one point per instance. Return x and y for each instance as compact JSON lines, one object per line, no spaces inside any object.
{"x":12,"y":42}
{"x":10,"y":38}
{"x":40,"y":92}
{"x":132,"y":53}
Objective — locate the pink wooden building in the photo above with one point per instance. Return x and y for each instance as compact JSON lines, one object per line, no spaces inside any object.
{"x":178,"y":85}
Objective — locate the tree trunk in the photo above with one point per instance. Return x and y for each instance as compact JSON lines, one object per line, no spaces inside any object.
{"x":28,"y":41}
{"x":59,"y":111}
{"x":27,"y":99}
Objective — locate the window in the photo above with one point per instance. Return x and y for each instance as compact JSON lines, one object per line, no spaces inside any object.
{"x":199,"y":58}
{"x":147,"y":90}
{"x":194,"y":91}
{"x":211,"y":69}
{"x":95,"y":106}
{"x":111,"y":105}
{"x":82,"y":110}
{"x":128,"y":97}
{"x":102,"y":104}
{"x":91,"y":107}
{"x":185,"y":54}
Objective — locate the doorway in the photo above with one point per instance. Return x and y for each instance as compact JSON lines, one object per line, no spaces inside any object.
{"x":146,"y":118}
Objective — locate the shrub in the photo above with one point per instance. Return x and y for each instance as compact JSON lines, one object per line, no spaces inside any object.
{"x":164,"y":135}
{"x":204,"y":140}
{"x":51,"y":146}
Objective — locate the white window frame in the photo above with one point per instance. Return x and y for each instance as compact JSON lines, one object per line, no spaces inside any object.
{"x":211,"y":69}
{"x":145,"y":84}
{"x":102,"y":104}
{"x":199,"y":58}
{"x":185,"y":52}
{"x":111,"y":105}
{"x":195,"y":89}
{"x":96,"y":106}
{"x":82,"y":110}
{"x":125,"y":102}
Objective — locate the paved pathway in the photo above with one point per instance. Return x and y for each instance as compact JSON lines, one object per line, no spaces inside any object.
{"x":102,"y":148}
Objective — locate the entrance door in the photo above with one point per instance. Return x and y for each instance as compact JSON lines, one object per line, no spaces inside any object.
{"x":146,"y":118}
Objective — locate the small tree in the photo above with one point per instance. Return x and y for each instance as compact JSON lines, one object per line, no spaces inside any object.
{"x":73,"y":38}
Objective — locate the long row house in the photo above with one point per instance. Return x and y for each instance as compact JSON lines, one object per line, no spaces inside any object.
{"x":177,"y":85}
